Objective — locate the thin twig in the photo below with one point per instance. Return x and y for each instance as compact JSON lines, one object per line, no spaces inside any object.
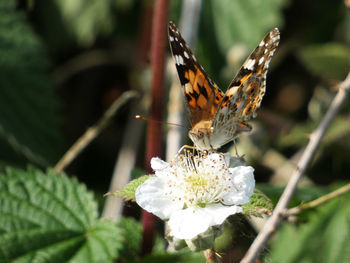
{"x":319,"y":201}
{"x":92,"y":132}
{"x":274,"y":221}
{"x":125,"y":162}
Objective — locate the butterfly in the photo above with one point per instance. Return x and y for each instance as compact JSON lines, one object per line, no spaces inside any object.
{"x":216,"y":117}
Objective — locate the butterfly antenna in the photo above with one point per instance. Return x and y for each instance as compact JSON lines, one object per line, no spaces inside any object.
{"x":161,"y":122}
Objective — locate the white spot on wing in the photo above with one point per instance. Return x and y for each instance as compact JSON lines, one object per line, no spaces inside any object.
{"x":250,"y":64}
{"x":186,"y":55}
{"x":188,"y":88}
{"x":175,"y":58}
{"x":171,"y":38}
{"x":261,"y":60}
{"x":262,"y":43}
{"x":180,"y":60}
{"x":232,"y":91}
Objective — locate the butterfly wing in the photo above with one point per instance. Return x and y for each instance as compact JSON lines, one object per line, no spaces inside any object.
{"x":247,"y":89}
{"x":202,"y":95}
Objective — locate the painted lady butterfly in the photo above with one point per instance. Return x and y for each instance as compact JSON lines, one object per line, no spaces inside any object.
{"x":218,"y":118}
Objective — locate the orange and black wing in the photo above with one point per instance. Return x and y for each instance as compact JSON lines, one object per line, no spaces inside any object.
{"x":202,"y":95}
{"x":247,"y":89}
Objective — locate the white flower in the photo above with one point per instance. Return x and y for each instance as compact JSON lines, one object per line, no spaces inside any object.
{"x":195,"y":192}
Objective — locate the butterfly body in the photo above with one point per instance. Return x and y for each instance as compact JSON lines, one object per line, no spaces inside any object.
{"x":216,"y":117}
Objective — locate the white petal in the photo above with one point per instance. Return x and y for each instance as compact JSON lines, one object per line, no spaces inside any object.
{"x":190,"y":222}
{"x":236,"y":161}
{"x":227,"y":158}
{"x":243,"y":185}
{"x":161,"y":167}
{"x":158,"y":164}
{"x":219,"y":212}
{"x":151,"y":197}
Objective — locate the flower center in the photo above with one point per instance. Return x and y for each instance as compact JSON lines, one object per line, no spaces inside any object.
{"x":199,"y":180}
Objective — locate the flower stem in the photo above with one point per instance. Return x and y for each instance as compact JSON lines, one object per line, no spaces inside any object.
{"x":212,"y":256}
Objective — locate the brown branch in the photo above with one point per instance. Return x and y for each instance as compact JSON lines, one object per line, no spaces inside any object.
{"x":319,"y":201}
{"x":92,"y":132}
{"x":275,"y":220}
{"x":153,"y":148}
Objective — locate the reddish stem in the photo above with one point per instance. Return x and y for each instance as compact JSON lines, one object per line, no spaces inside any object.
{"x":153,"y":149}
{"x":211,"y":256}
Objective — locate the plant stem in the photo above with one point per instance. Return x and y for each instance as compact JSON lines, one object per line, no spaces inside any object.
{"x":153,"y":148}
{"x":319,"y":201}
{"x":92,"y":132}
{"x":212,"y":256}
{"x":275,"y":220}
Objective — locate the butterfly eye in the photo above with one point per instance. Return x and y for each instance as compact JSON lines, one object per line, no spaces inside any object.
{"x":200,"y":134}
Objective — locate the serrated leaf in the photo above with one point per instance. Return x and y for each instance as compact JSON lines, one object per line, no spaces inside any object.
{"x":258,"y":205}
{"x":128,"y":192}
{"x":132,"y":232}
{"x":28,"y":109}
{"x":52,"y":218}
{"x":329,"y":61}
{"x":325,"y":237}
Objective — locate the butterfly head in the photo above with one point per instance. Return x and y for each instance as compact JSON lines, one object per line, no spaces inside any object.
{"x":200,"y":135}
{"x":205,"y":138}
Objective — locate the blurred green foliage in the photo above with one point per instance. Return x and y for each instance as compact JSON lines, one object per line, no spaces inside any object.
{"x":62,"y":62}
{"x":28,"y":110}
{"x":324,"y":237}
{"x":329,"y":61}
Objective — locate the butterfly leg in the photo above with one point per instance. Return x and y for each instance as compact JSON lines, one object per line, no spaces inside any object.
{"x":235,"y":145}
{"x":183,"y":148}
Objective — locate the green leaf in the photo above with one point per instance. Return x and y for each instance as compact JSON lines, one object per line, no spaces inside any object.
{"x":132,"y":232}
{"x":324,"y":238}
{"x":258,"y":205}
{"x":329,"y":61}
{"x":85,"y":20}
{"x":245,"y":21}
{"x":128,"y":192}
{"x":52,"y":218}
{"x":28,"y":109}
